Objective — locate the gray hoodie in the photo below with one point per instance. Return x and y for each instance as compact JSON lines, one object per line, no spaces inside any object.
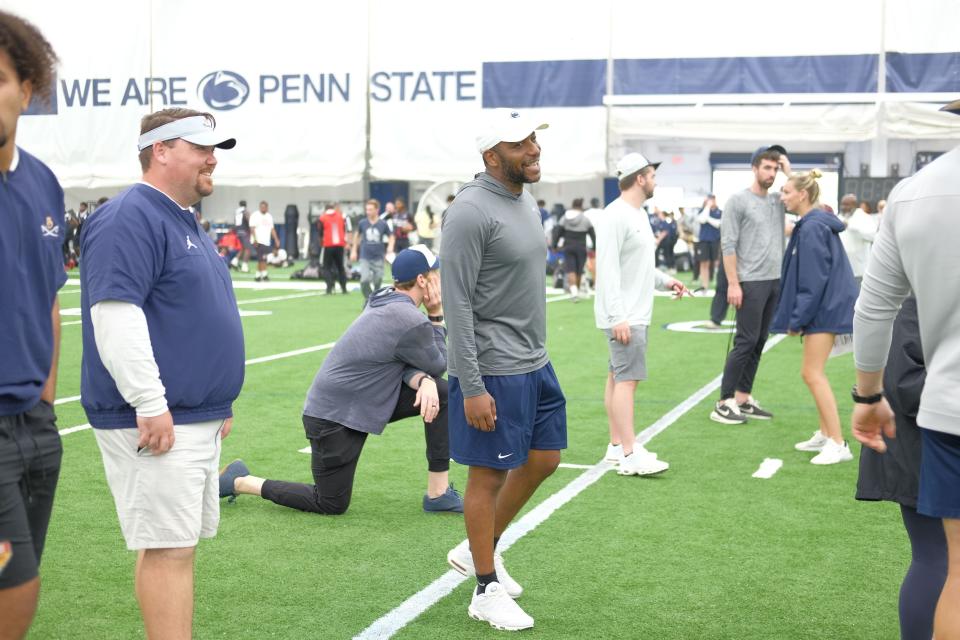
{"x":359,"y":383}
{"x":493,"y":279}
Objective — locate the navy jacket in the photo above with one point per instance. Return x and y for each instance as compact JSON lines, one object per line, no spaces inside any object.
{"x":817,"y":287}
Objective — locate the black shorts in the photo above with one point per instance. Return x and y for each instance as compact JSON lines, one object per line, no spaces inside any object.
{"x":708,"y":251}
{"x":574,"y":258}
{"x":30,"y":453}
{"x":263,"y":250}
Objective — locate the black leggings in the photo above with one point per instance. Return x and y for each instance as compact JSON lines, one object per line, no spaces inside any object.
{"x":336,"y":450}
{"x":924,"y":580}
{"x":333,"y":268}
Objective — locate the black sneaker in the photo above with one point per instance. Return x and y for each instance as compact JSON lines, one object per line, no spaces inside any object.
{"x":727,"y":412}
{"x":751,"y":409}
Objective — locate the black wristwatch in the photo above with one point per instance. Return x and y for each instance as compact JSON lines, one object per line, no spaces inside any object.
{"x":874,"y":399}
{"x":425,"y":377}
{"x":434,"y":318}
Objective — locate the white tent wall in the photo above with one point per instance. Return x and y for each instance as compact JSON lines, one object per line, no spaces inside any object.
{"x":325,"y":97}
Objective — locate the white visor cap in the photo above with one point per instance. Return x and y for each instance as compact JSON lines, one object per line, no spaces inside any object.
{"x":196,"y":129}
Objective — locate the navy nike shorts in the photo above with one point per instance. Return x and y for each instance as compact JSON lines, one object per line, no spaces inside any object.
{"x":939,"y":474}
{"x":531,"y":414}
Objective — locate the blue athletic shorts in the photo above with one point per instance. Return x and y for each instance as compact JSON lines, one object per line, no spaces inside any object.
{"x":531,"y":414}
{"x":939,"y":475}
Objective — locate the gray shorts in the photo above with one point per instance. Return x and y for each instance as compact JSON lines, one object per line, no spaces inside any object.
{"x":629,"y":361}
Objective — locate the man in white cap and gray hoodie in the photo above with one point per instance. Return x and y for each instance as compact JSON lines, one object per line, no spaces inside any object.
{"x":507,"y":414}
{"x":623,"y":306}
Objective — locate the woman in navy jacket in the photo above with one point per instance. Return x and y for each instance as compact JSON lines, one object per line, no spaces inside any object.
{"x":817,"y":295}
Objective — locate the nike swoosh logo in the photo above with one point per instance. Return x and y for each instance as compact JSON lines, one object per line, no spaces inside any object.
{"x":501,"y":456}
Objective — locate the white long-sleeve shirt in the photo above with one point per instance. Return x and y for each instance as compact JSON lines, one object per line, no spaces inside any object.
{"x":626,"y":266}
{"x":123,"y":342}
{"x":861,"y":231}
{"x":916,"y":249}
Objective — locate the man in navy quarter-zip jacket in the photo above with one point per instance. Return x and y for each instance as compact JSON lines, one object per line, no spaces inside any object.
{"x":163,"y":359}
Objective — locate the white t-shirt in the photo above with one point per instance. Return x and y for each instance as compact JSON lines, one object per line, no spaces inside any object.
{"x":261,"y":227}
{"x":626,"y":266}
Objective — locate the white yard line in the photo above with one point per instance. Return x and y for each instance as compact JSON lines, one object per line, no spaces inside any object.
{"x":276,"y":356}
{"x":389,"y":624}
{"x":81,"y":427}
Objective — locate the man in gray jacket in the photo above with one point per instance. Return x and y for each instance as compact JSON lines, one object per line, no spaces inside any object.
{"x":507,"y":412}
{"x":386,"y":367}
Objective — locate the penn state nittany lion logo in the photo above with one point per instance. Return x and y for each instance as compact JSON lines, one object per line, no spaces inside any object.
{"x":49,"y":229}
{"x":6,"y":553}
{"x":223,"y":90}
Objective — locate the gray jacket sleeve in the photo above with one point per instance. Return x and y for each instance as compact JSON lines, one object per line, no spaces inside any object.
{"x":423,"y":349}
{"x":884,"y":288}
{"x":465,"y":232}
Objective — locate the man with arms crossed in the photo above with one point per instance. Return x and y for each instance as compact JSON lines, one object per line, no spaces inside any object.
{"x":751,"y":238}
{"x":903,"y":259}
{"x":368,"y":241}
{"x":163,"y":360}
{"x":623,"y":307}
{"x":507,"y":412}
{"x":31,"y":238}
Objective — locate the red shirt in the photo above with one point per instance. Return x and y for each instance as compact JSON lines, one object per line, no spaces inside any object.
{"x":334,"y":228}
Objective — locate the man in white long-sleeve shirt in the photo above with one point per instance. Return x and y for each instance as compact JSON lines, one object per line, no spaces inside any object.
{"x":623,"y":306}
{"x":903,"y":259}
{"x":862,"y":228}
{"x":163,"y":360}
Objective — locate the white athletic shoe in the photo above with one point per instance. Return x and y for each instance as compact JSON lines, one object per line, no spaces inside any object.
{"x":614,"y":453}
{"x":815,"y":443}
{"x":245,"y":268}
{"x":461,"y":560}
{"x":495,"y":606}
{"x":641,"y":463}
{"x":832,"y":453}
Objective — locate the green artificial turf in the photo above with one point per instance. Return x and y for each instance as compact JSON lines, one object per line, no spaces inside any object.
{"x":703,"y":551}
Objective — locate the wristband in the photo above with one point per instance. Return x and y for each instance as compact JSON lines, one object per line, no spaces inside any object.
{"x":435,"y":318}
{"x":874,"y":399}
{"x":425,"y":377}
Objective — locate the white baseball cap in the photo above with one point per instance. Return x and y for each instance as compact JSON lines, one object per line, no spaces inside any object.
{"x":633,"y":162}
{"x":506,"y":125}
{"x":196,"y":129}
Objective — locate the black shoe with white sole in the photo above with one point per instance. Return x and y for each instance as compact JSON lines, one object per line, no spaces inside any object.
{"x":727,"y":412}
{"x":751,"y":409}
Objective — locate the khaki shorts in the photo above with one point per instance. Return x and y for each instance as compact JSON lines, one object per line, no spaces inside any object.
{"x":629,"y":361}
{"x":167,"y":501}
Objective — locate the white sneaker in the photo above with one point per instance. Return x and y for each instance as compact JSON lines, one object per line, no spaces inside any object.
{"x":832,"y":453}
{"x":245,"y":267}
{"x":461,"y":560}
{"x":641,"y":463}
{"x":614,"y":453}
{"x":495,"y":606}
{"x":813,"y":444}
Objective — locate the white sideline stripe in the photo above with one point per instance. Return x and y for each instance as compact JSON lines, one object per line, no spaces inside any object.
{"x":309,"y":294}
{"x":278,"y":356}
{"x":67,"y":324}
{"x":411,"y":608}
{"x":290,"y":354}
{"x":570,"y":465}
{"x":69,"y":430}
